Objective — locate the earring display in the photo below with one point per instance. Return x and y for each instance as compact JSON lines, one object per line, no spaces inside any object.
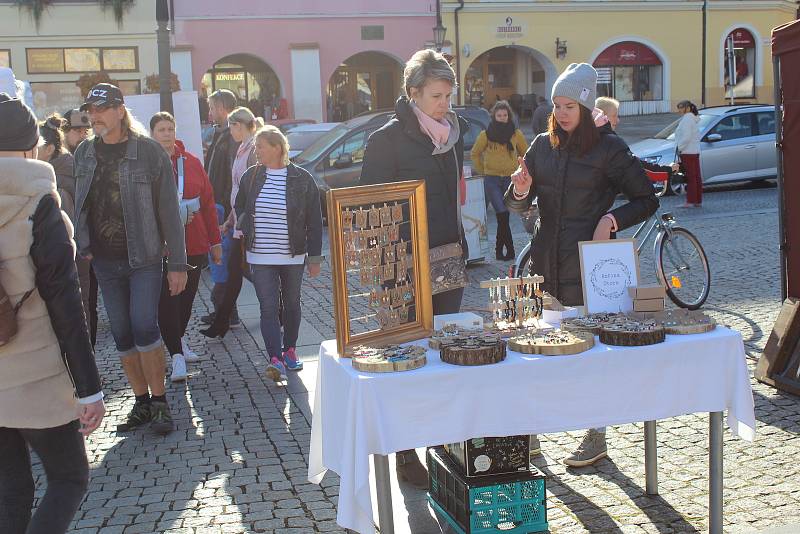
{"x":591,"y":323}
{"x":516,"y":303}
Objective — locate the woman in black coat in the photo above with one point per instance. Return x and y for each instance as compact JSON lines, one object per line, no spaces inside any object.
{"x":424,"y":141}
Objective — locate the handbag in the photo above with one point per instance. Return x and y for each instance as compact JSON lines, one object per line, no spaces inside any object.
{"x":448,"y":268}
{"x":189,"y":206}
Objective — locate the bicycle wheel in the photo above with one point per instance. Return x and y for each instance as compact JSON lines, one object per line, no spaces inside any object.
{"x":523,"y":266}
{"x":682,"y":266}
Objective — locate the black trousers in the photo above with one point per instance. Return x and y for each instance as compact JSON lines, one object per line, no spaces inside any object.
{"x":232,"y":287}
{"x":174,"y":312}
{"x":63,"y":456}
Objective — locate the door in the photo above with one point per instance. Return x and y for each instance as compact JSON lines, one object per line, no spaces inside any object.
{"x":386,"y":95}
{"x":342,"y":165}
{"x":732,"y":156}
{"x":766,"y":153}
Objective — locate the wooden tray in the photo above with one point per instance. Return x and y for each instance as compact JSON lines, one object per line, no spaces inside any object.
{"x":449,"y":333}
{"x":474,"y":350}
{"x":685,"y":322}
{"x":389,"y":359}
{"x":632,"y":333}
{"x":591,"y":323}
{"x":552,"y":342}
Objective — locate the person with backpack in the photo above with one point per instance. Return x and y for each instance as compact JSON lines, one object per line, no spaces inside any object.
{"x":50,"y":392}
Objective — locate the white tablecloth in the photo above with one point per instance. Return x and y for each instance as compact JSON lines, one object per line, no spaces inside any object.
{"x":358,"y":414}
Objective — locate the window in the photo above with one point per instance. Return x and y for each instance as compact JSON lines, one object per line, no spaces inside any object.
{"x":5,"y":58}
{"x":372,"y":33}
{"x":742,"y":58}
{"x":63,"y":60}
{"x":734,"y":127}
{"x":629,"y":71}
{"x":501,"y":75}
{"x":766,"y":123}
{"x":353,"y":145}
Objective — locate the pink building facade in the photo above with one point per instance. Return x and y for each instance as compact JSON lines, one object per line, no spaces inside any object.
{"x":329,"y":60}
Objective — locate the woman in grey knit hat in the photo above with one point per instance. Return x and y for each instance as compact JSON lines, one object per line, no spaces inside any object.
{"x":576,"y":170}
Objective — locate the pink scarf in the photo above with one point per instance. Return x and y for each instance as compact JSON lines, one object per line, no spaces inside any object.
{"x":438,"y":131}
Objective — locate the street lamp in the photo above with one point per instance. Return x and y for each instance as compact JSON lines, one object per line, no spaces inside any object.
{"x":164,"y":67}
{"x":439,"y":32}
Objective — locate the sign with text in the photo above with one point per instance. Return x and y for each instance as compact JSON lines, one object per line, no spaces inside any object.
{"x":509,"y":29}
{"x":608,"y":269}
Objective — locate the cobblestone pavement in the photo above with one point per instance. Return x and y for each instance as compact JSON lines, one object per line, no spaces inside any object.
{"x":237,"y":461}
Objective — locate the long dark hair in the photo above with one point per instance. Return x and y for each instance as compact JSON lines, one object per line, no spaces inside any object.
{"x":582,"y":139}
{"x":683,"y":104}
{"x":51,"y":130}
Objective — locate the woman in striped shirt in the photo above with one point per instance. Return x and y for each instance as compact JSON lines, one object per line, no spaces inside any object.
{"x":278,"y":213}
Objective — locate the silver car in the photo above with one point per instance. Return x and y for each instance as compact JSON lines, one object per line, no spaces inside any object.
{"x":737,"y":143}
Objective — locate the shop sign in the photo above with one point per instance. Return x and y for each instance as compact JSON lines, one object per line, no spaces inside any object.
{"x":509,"y":29}
{"x":45,"y":60}
{"x":627,"y":53}
{"x":741,"y":39}
{"x":229,"y":76}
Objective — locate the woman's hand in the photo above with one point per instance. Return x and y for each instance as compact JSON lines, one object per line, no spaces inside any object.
{"x":177,"y":282}
{"x":91,"y":416}
{"x":521,"y":179}
{"x":314,"y":269}
{"x":603,"y":230}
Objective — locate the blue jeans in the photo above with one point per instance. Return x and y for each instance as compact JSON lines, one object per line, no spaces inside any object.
{"x":131,"y":299}
{"x":494,"y":187}
{"x":273,"y":282}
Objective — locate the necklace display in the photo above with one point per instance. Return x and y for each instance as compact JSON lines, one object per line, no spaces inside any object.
{"x":516,"y":304}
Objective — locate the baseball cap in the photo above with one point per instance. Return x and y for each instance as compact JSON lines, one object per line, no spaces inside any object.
{"x":77,"y":119}
{"x":103,"y":94}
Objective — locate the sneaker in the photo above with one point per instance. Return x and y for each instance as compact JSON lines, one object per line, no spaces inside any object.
{"x":275,"y":370}
{"x":592,"y":448}
{"x":535,"y":447}
{"x":208,"y":319}
{"x":139,"y":415}
{"x":291,"y":360}
{"x":235,"y":322}
{"x":178,"y":368}
{"x":188,"y":354}
{"x":162,"y":418}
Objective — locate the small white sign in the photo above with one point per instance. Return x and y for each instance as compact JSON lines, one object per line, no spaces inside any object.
{"x":585,"y":94}
{"x":608,"y":269}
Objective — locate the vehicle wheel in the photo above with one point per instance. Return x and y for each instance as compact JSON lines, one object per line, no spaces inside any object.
{"x":682,"y":266}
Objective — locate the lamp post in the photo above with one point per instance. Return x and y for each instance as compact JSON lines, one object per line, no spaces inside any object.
{"x":439,"y":30}
{"x":164,"y":67}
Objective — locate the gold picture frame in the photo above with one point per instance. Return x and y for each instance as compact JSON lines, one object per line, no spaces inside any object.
{"x":360,"y":267}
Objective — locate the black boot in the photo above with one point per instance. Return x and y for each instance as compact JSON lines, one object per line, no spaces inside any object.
{"x":504,"y":230}
{"x":411,"y":470}
{"x":498,"y":240}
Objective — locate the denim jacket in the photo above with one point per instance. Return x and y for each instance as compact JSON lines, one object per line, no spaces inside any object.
{"x":149,"y":203}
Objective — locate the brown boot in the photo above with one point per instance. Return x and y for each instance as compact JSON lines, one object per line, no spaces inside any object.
{"x":411,"y":470}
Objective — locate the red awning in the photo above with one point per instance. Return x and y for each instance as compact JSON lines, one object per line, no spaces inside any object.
{"x":627,"y":53}
{"x":741,"y":38}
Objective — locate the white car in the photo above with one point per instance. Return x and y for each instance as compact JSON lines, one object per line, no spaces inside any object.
{"x":303,"y":135}
{"x":737,"y":143}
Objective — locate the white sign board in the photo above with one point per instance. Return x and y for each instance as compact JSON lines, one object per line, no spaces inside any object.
{"x":608,"y":269}
{"x":187,"y":116}
{"x":473,"y":217}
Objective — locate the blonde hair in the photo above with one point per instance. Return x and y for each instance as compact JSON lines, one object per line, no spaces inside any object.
{"x":607,"y":104}
{"x":275,"y":137}
{"x":130,"y":123}
{"x":245,"y":117}
{"x":424,"y":67}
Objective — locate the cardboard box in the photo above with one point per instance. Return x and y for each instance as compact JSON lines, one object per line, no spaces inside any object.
{"x":554,"y":318}
{"x":650,"y":291}
{"x":648,"y":305}
{"x":465,"y":320}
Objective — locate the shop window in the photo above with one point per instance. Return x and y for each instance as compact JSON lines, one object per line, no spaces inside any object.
{"x":740,"y":55}
{"x":78,"y":60}
{"x":5,"y":58}
{"x":629,"y":71}
{"x":354,"y":146}
{"x":51,"y":97}
{"x":734,"y":127}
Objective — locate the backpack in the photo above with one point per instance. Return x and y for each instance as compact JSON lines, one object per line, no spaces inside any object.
{"x":8,"y":315}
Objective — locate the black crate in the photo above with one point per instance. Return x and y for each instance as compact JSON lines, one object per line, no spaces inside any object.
{"x":501,"y":504}
{"x":491,"y":456}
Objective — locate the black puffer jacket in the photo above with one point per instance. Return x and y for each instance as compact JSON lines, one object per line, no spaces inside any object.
{"x":219,"y":166}
{"x":400,"y":151}
{"x":574,"y":192}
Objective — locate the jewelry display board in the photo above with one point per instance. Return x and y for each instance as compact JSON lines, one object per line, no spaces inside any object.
{"x":381,"y":269}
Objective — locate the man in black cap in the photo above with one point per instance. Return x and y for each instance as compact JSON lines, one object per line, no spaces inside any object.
{"x":50,"y":391}
{"x":76,"y":130}
{"x":126,"y":211}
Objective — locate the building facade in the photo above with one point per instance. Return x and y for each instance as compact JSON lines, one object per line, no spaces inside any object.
{"x":649,"y":54}
{"x":311,"y":59}
{"x":73,"y":39}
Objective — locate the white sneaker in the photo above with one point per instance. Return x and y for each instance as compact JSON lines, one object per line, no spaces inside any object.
{"x":178,"y":368}
{"x":188,"y":354}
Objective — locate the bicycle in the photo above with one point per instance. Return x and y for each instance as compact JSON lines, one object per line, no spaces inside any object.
{"x":681,"y":263}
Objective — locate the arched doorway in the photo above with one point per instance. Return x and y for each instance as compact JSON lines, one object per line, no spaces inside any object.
{"x":633,"y":73}
{"x":739,"y":57}
{"x":365,"y":82}
{"x":515,"y":73}
{"x":253,"y":82}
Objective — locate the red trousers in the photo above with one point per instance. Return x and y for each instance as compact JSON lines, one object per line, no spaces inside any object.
{"x":694,"y":181}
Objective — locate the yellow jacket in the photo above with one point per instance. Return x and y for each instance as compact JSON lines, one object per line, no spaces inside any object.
{"x":493,"y":159}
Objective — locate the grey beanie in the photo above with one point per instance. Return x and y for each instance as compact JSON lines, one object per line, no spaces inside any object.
{"x":578,"y":82}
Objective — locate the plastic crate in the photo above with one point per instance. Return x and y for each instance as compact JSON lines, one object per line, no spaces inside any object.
{"x":502,"y":504}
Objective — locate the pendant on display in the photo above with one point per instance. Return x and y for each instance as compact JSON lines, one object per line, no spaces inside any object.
{"x":394,"y":233}
{"x":358,"y":240}
{"x":390,"y":254}
{"x":374,"y":217}
{"x":374,"y":299}
{"x":349,"y":243}
{"x":347,"y":219}
{"x":388,"y":272}
{"x":404,"y":314}
{"x":397,"y":213}
{"x":361,"y":218}
{"x":386,"y":215}
{"x":364,"y":274}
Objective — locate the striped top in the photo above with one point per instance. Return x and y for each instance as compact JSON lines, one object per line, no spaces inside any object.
{"x":271,"y":243}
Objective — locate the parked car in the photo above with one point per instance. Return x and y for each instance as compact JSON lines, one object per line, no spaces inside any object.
{"x":287,"y":125}
{"x":336,"y":157}
{"x":737,"y":143}
{"x":303,"y":136}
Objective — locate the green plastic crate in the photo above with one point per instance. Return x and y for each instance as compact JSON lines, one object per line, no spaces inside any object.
{"x":502,"y":504}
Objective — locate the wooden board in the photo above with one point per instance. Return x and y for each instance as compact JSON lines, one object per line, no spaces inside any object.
{"x":591,"y":323}
{"x":449,"y":333}
{"x":684,"y":322}
{"x":632,"y":333}
{"x":389,"y":359}
{"x":476,"y":351}
{"x":779,"y":348}
{"x":552,"y":342}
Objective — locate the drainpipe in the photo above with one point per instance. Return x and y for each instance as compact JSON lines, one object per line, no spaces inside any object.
{"x":458,"y":50}
{"x":703,"y":62}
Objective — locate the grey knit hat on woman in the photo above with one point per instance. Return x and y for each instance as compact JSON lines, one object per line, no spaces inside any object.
{"x":578,"y":82}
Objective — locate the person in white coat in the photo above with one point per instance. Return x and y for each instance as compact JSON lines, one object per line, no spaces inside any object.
{"x":687,"y":139}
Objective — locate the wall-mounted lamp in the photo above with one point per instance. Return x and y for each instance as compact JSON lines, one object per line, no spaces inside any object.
{"x":439,"y":32}
{"x":561,"y":48}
